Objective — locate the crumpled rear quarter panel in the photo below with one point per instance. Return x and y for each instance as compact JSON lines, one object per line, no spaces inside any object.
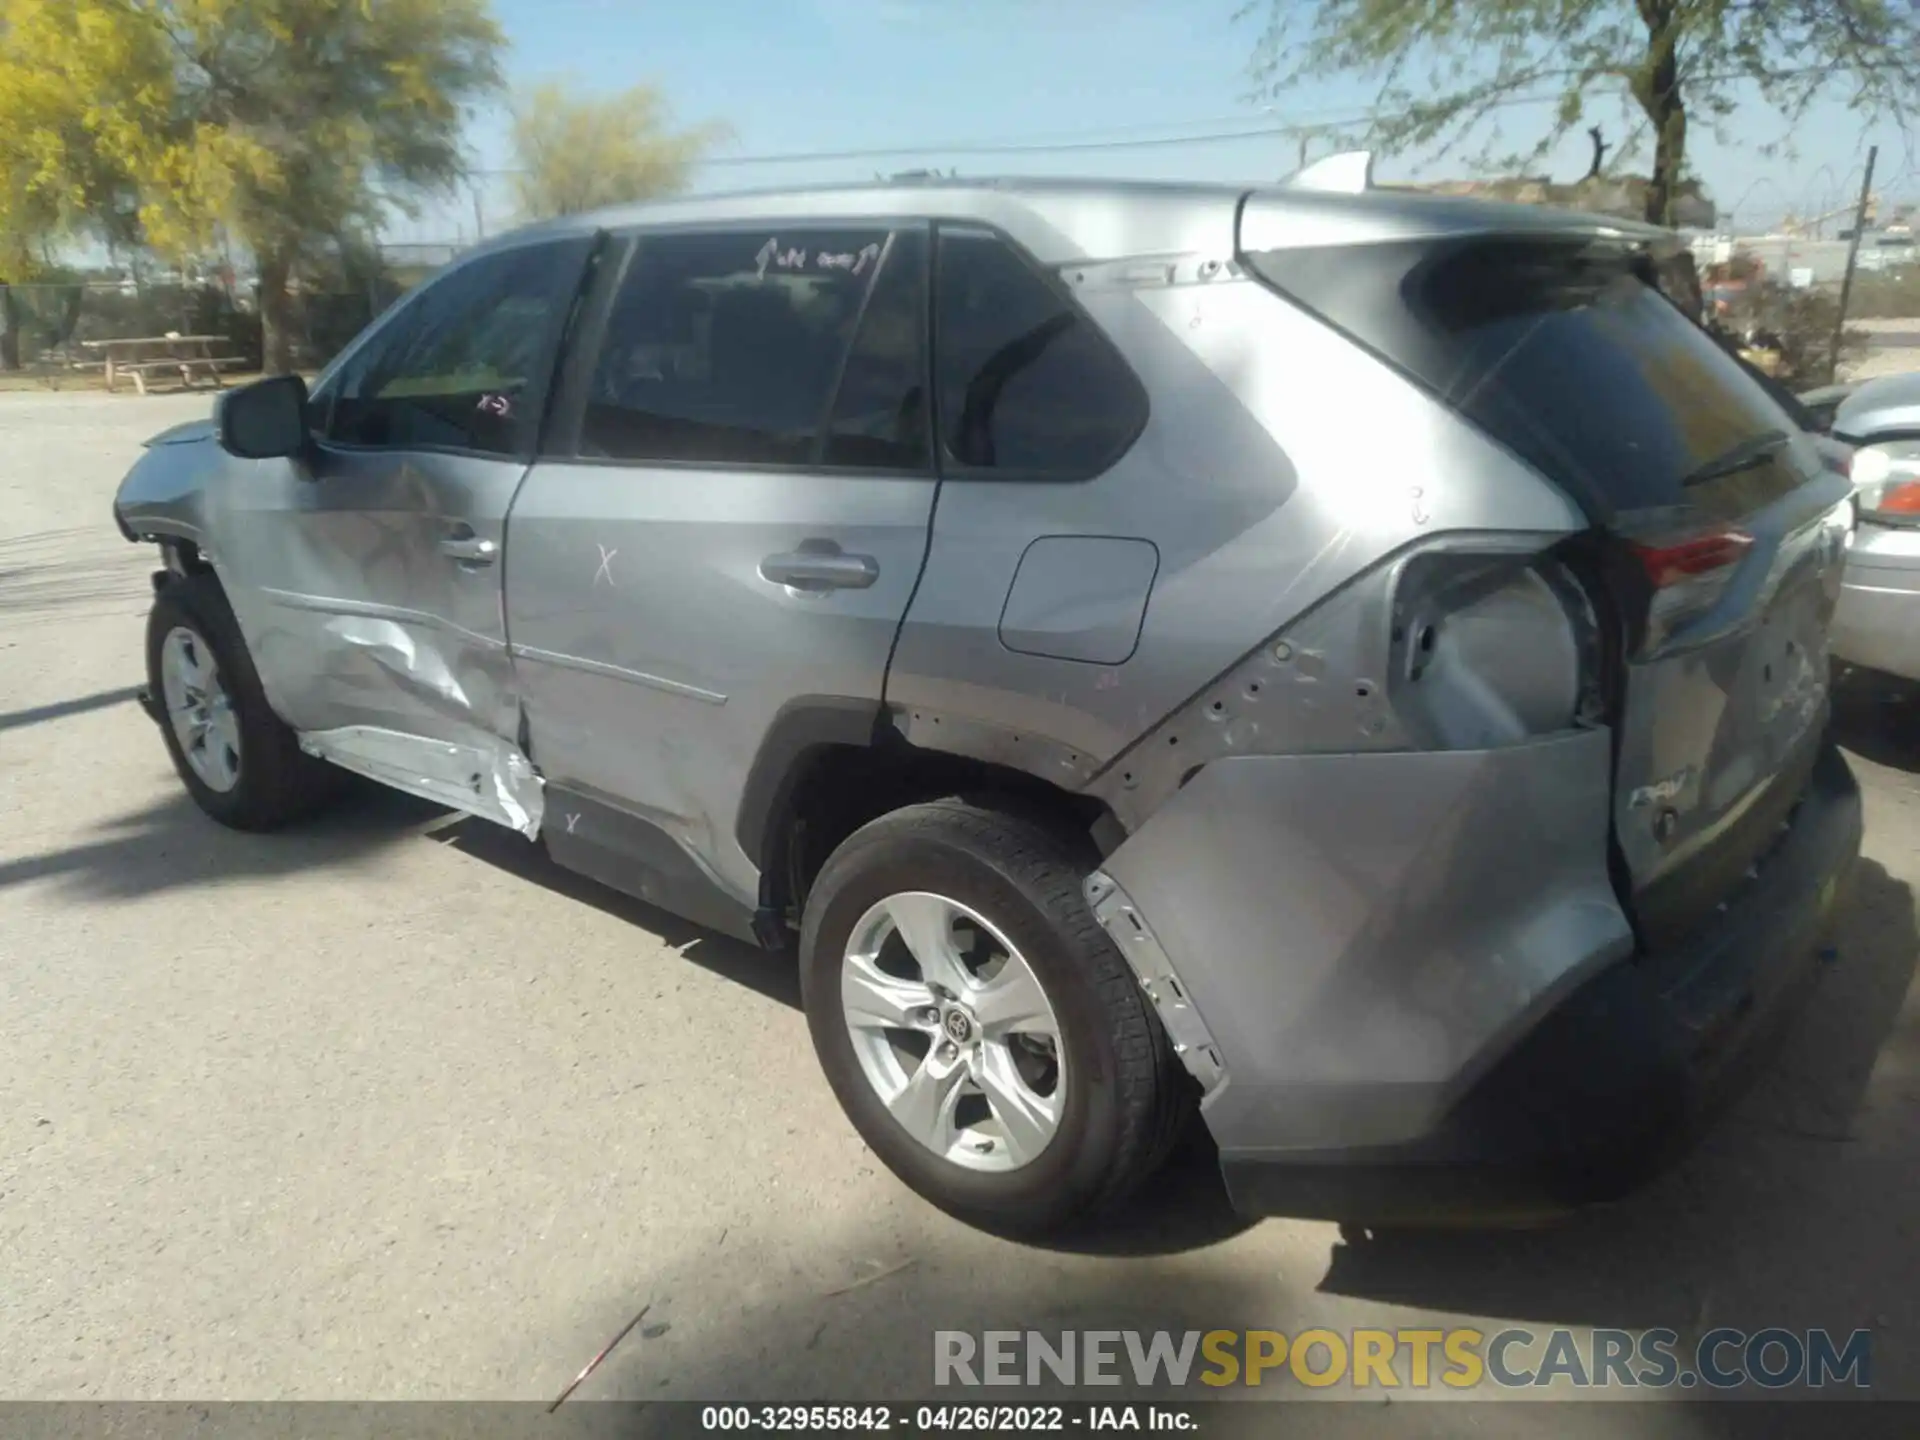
{"x":1363,"y":935}
{"x":1279,"y":462}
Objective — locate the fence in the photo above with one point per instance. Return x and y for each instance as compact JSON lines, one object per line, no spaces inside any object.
{"x":44,"y":327}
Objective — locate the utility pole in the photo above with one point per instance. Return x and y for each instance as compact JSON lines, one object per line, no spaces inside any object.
{"x":480,"y":221}
{"x":1853,"y":256}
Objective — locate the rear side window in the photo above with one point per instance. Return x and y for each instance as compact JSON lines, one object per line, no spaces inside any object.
{"x":882,"y":418}
{"x":464,"y":366}
{"x":1566,"y":354}
{"x":729,"y":347}
{"x":1028,"y":385}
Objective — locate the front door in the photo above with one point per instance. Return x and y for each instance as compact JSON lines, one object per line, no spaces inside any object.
{"x":366,"y":574}
{"x":730,"y":523}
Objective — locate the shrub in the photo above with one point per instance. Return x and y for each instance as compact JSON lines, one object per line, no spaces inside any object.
{"x":1786,"y":332}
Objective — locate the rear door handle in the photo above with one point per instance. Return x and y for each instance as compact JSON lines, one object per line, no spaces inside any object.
{"x":469,"y":549}
{"x":820,"y":570}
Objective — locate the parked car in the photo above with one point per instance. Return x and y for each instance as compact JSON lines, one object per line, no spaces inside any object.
{"x":1349,"y":662}
{"x":1877,"y":623}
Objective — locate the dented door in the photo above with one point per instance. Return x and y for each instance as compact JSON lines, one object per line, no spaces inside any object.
{"x":376,"y":623}
{"x":367,"y":574}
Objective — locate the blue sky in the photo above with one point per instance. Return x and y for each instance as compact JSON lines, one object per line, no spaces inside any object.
{"x":836,"y":75}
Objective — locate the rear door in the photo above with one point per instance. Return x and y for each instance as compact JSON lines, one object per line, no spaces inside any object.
{"x":1718,"y":529}
{"x":726,"y":526}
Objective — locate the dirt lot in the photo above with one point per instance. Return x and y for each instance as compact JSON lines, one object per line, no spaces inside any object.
{"x":389,"y":1108}
{"x":1892,"y":347}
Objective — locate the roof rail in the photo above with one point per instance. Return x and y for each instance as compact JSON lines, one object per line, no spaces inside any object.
{"x":1347,"y":173}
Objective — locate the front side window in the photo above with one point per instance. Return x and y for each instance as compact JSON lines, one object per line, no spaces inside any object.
{"x":729,"y":347}
{"x":1028,"y":384}
{"x":463,"y":367}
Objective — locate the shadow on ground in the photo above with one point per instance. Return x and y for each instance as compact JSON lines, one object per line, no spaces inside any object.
{"x":1877,"y":717}
{"x":1797,"y":1212}
{"x":730,"y":959}
{"x":61,"y":709}
{"x":1183,"y":1208}
{"x":170,"y":844}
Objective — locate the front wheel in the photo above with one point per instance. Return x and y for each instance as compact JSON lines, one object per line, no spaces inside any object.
{"x":238,"y":760}
{"x":976,"y":1023}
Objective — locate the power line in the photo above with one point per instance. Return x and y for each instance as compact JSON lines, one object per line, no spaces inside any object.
{"x":1053,"y":147}
{"x":898,"y":152}
{"x":1107,"y":142}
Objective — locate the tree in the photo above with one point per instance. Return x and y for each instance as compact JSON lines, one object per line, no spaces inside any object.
{"x":291,"y":124}
{"x":578,"y":153}
{"x":1450,"y":65}
{"x":53,"y":180}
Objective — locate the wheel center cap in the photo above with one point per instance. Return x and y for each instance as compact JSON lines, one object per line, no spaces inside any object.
{"x":958,"y":1027}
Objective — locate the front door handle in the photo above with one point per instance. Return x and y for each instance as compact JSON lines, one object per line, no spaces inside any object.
{"x":821,"y":569}
{"x":469,"y":549}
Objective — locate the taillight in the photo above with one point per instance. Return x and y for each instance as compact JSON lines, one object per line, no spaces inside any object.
{"x":1685,"y":575}
{"x":1899,"y":498}
{"x":1886,"y":481}
{"x":1675,"y":562}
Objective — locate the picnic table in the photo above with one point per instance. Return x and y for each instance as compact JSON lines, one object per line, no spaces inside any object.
{"x":140,"y":355}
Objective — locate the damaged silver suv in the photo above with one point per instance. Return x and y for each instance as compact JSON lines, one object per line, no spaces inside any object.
{"x":1348,"y":663}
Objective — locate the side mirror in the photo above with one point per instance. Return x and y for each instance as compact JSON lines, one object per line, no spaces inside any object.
{"x":266,"y":420}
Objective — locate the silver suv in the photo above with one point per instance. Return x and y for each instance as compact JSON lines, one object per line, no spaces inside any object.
{"x":1347,"y":662}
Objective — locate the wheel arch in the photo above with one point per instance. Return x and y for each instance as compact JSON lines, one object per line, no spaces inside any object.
{"x":830,"y":764}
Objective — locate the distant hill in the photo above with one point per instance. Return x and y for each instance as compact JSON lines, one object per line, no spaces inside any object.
{"x":1621,"y":195}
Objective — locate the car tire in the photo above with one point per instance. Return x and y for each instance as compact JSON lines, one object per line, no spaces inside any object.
{"x":270,"y":781}
{"x":1120,"y":1097}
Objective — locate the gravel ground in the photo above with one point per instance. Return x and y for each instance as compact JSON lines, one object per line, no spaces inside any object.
{"x":389,"y":1108}
{"x":1893,"y":346}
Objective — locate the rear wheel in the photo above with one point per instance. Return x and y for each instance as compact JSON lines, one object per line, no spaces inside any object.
{"x":238,"y":760}
{"x":977,"y":1024}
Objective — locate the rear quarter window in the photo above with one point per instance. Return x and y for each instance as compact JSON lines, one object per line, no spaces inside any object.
{"x":1028,"y":385}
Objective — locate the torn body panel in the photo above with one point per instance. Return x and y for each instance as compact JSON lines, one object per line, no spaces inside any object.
{"x":1264,"y":485}
{"x":367,"y":586}
{"x":1360,"y":936}
{"x":1460,"y":642}
{"x":494,"y":781}
{"x":162,"y":495}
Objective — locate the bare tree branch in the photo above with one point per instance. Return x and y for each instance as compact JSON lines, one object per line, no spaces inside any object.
{"x":1450,"y":68}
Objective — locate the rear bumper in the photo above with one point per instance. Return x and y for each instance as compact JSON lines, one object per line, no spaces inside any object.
{"x":1588,"y":1088}
{"x":1877,"y":621}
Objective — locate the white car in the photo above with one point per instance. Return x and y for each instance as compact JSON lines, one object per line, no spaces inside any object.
{"x":1877,"y":623}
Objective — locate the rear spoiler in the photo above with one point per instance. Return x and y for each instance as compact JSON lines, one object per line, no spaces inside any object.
{"x":1348,"y":173}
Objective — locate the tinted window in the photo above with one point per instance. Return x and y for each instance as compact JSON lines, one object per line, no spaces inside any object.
{"x":725,"y":348}
{"x":464,"y":365}
{"x":881,"y":418}
{"x":1566,"y":354}
{"x":1027,"y":383}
